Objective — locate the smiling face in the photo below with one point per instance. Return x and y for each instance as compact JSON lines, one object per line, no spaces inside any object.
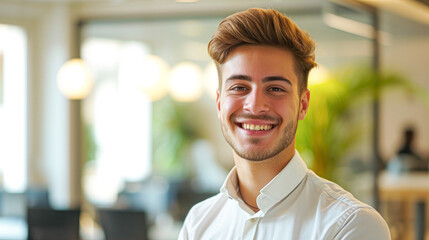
{"x":259,"y":104}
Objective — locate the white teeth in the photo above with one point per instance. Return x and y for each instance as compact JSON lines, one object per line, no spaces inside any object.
{"x":256,"y":127}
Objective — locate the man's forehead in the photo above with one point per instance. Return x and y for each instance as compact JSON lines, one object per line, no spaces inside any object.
{"x":259,"y":62}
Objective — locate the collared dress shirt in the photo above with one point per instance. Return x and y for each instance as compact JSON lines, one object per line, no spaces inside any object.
{"x":294,"y":205}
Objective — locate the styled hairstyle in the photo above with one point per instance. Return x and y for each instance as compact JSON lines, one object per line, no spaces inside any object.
{"x":265,"y":27}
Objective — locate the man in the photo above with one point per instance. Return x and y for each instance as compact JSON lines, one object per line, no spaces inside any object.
{"x":263,"y":60}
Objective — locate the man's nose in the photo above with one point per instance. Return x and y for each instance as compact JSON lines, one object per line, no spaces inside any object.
{"x":255,"y":102}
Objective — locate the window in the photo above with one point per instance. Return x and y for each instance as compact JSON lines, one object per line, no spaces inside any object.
{"x":119,"y":154}
{"x":13,"y":108}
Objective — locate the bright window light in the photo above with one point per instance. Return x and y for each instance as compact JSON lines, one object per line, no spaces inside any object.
{"x":120,"y":120}
{"x":13,"y":107}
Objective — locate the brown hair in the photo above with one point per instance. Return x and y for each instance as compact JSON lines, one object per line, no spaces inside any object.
{"x":263,"y":27}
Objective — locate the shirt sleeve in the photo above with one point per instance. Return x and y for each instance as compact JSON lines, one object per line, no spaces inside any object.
{"x":364,"y":223}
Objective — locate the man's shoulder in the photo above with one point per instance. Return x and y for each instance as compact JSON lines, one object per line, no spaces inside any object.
{"x":363,"y":223}
{"x":347,"y":212}
{"x":336,"y":201}
{"x":332,"y":192}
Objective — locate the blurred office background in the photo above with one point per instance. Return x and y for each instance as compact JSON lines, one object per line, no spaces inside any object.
{"x":130,"y":140}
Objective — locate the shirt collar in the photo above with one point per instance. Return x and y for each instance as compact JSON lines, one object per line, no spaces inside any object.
{"x":230,"y":186}
{"x":287,"y":180}
{"x":278,"y":188}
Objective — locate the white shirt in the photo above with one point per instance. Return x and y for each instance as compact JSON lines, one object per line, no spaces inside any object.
{"x":296,"y":204}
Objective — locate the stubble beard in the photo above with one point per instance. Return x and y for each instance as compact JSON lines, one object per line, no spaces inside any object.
{"x":256,"y":155}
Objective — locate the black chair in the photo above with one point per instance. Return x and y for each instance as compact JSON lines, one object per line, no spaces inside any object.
{"x":123,"y":224}
{"x":52,"y":224}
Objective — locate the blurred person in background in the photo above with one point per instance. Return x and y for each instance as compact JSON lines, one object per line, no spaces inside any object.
{"x":263,"y":60}
{"x":407,"y":159}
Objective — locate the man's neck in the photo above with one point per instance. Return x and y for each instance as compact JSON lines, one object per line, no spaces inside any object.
{"x":254,"y":175}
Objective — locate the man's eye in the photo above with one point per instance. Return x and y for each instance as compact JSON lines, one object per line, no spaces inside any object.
{"x":276,"y":89}
{"x":238,"y":88}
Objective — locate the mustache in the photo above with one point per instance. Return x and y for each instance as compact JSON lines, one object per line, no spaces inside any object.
{"x":250,"y":116}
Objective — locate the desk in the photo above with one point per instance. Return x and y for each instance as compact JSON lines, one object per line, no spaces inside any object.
{"x":400,"y":194}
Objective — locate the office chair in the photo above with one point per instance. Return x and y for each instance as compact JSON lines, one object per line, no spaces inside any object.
{"x":123,"y":224}
{"x":51,"y":224}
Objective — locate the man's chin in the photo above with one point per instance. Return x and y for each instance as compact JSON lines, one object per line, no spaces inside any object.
{"x":255,"y":154}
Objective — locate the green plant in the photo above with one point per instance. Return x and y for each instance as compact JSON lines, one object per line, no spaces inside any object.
{"x":333,"y":125}
{"x":172,"y":136}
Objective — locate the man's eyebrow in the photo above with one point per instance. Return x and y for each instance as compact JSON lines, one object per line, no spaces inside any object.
{"x":266,"y":79}
{"x":276,"y":78}
{"x":239,"y":77}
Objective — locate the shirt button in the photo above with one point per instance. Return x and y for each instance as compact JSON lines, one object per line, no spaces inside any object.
{"x":253,"y":220}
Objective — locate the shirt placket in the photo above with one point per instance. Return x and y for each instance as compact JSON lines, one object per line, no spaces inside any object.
{"x":250,"y":228}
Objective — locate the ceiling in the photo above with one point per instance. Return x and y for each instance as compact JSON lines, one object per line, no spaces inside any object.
{"x":416,"y":10}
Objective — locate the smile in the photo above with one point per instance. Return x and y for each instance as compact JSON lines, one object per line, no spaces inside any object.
{"x":255,"y":127}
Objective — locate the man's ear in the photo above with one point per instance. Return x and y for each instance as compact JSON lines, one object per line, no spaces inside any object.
{"x":304,"y":103}
{"x":218,"y":102}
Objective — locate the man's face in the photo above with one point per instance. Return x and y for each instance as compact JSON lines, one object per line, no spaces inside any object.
{"x":259,"y":104}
